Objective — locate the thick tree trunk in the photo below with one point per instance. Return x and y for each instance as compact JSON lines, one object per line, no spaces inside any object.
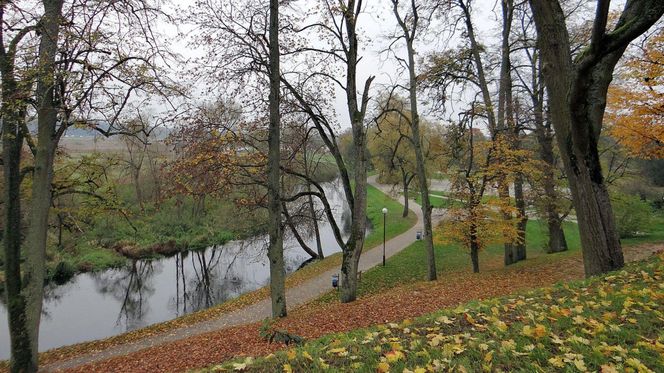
{"x":577,"y":95}
{"x":557,"y":242}
{"x":12,"y":141}
{"x":13,"y":117}
{"x":353,"y":250}
{"x":275,"y":230}
{"x":510,"y":255}
{"x":34,"y":270}
{"x":136,"y":175}
{"x":474,"y":250}
{"x":349,"y":266}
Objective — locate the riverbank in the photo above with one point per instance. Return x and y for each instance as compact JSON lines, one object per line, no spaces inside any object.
{"x":376,"y":200}
{"x":406,"y":300}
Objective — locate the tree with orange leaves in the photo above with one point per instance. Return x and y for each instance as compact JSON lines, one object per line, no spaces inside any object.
{"x":636,"y":101}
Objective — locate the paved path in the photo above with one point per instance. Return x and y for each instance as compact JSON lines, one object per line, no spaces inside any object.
{"x":295,"y":296}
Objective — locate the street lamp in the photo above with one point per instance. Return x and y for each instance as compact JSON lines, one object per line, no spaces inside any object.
{"x":384,"y":215}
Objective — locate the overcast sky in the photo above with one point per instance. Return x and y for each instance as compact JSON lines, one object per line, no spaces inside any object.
{"x":376,"y":22}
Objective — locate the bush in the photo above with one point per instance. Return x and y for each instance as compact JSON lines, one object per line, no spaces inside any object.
{"x":63,"y":272}
{"x":632,"y":214}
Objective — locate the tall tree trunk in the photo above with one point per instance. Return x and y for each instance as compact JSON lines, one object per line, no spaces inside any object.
{"x":357,"y":109}
{"x":13,"y":117}
{"x":557,"y":242}
{"x":35,"y":243}
{"x":577,"y":95}
{"x":312,"y":209}
{"x":276,"y":248}
{"x":12,"y":141}
{"x":406,"y":184}
{"x":409,"y":35}
{"x":136,"y":175}
{"x":506,"y":125}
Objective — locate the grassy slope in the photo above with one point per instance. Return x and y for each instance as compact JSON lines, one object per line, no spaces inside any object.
{"x":408,"y":266}
{"x":611,"y":322}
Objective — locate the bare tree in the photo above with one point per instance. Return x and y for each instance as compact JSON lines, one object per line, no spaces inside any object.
{"x":412,"y":25}
{"x":77,"y":67}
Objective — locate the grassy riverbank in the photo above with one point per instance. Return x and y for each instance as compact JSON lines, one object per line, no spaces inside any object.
{"x":376,"y":200}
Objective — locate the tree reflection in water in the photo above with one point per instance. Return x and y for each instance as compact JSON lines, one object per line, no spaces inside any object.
{"x":132,"y":287}
{"x":199,"y":284}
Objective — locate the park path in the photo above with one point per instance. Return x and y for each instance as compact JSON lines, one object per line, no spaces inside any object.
{"x":295,"y":296}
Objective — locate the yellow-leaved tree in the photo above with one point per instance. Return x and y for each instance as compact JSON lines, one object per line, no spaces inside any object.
{"x":635,"y":110}
{"x":476,"y":216}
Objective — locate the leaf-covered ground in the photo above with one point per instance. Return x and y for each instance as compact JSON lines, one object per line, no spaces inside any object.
{"x":317,"y":320}
{"x":608,"y":324}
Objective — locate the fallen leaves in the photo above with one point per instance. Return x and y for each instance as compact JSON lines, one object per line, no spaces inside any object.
{"x":416,"y":300}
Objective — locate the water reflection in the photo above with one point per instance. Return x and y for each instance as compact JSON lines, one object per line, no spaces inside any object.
{"x":130,"y":288}
{"x":100,"y":305}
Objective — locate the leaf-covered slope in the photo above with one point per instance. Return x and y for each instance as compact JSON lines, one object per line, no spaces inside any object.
{"x":610,"y":323}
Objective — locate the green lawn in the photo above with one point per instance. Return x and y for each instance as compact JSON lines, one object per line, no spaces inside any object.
{"x":397,"y":224}
{"x":610,"y":323}
{"x":409,"y":265}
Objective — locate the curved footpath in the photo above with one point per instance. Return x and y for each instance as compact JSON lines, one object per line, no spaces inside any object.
{"x":295,"y":296}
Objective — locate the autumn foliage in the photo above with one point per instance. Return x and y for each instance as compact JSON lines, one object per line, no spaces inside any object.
{"x":636,"y":102}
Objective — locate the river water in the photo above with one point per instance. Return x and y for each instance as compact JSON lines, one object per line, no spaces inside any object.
{"x":103,"y":304}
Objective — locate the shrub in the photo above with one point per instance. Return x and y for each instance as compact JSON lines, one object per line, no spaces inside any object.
{"x":632,"y":214}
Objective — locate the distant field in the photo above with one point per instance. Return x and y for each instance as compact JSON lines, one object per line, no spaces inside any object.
{"x":83,"y":145}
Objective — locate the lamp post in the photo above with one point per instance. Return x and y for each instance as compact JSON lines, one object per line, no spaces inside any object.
{"x":384,"y":215}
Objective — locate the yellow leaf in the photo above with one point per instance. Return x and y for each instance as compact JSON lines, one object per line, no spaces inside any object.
{"x":608,"y":369}
{"x":338,"y":350}
{"x":307,"y":356}
{"x":508,"y":345}
{"x":539,"y":331}
{"x":580,"y":365}
{"x":557,"y":362}
{"x":500,"y":325}
{"x":436,"y":340}
{"x":291,"y":354}
{"x":383,"y":367}
{"x":393,"y":356}
{"x":638,"y":365}
{"x":488,"y":357}
{"x":288,"y":368}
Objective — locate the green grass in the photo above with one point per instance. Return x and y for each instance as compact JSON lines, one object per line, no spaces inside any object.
{"x":410,"y":265}
{"x":609,"y":322}
{"x":655,"y":232}
{"x":395,"y":224}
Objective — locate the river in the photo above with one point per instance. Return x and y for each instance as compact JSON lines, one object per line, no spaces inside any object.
{"x":103,"y":304}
